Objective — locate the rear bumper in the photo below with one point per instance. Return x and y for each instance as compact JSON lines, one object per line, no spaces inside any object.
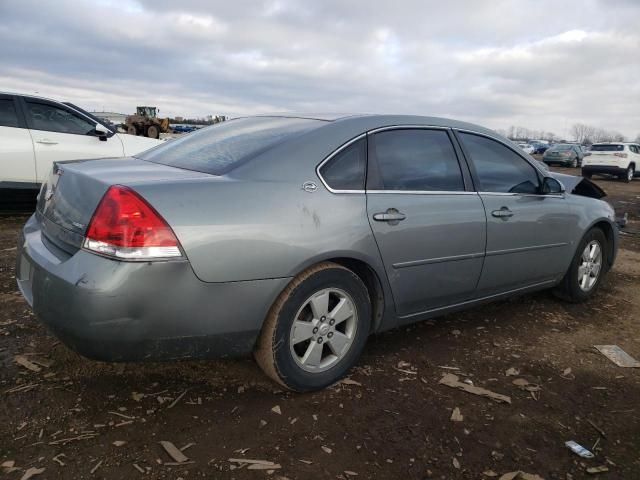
{"x":125,"y":311}
{"x":606,"y":169}
{"x":559,"y":161}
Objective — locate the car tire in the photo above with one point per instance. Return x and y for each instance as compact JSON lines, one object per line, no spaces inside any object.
{"x":572,"y":287}
{"x":629,"y":174}
{"x":153,"y":131}
{"x":283,"y":358}
{"x":574,"y":163}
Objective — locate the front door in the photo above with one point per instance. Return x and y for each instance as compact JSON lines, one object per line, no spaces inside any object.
{"x":529,"y":235}
{"x":429,"y":228}
{"x":60,"y":134}
{"x":17,"y":164}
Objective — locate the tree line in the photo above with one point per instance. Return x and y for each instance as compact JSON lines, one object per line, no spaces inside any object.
{"x":581,"y":133}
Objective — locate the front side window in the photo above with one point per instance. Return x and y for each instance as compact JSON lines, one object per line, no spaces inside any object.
{"x":499,"y":169}
{"x":346,"y":169}
{"x":418,"y":160}
{"x":44,"y":116}
{"x":8,"y":116}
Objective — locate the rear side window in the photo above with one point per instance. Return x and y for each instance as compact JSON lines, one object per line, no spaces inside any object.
{"x":498,"y":168}
{"x":346,"y":169}
{"x":418,"y":160}
{"x":607,"y":148}
{"x":221,"y":148}
{"x":8,"y":116}
{"x":44,"y":116}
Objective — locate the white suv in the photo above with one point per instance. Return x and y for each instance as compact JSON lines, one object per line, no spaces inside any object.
{"x":35,"y":132}
{"x":620,"y":159}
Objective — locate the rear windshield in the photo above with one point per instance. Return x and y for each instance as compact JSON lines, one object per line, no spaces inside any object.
{"x":560,"y":148}
{"x":607,"y":148}
{"x":221,"y":148}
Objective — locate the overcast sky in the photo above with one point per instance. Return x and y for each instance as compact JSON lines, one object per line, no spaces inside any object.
{"x":536,"y":63}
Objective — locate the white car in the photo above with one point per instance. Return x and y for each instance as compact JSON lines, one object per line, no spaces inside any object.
{"x":527,"y":148}
{"x":620,"y":159}
{"x":35,"y":132}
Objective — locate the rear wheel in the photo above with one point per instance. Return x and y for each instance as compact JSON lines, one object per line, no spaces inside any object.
{"x":574,"y":163}
{"x":316,"y":329}
{"x":587,"y":268}
{"x":628,"y":176}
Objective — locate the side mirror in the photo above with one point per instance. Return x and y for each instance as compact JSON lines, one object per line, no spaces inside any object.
{"x":551,"y":186}
{"x":102,"y":132}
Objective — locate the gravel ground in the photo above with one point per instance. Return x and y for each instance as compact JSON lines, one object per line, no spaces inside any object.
{"x":391,"y":419}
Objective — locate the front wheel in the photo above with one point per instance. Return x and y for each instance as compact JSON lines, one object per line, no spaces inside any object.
{"x":153,"y":132}
{"x":316,"y":329}
{"x":587,"y":268}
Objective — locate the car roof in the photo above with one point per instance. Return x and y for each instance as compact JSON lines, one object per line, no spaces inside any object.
{"x":30,"y":96}
{"x":369,"y":121}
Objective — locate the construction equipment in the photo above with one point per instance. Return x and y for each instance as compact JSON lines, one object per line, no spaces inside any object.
{"x":146,"y":123}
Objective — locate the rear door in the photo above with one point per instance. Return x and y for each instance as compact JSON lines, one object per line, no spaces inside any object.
{"x":59,"y":133}
{"x":17,"y":163}
{"x":428,"y":224}
{"x":529,"y":235}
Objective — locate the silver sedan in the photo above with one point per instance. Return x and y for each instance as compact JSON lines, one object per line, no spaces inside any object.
{"x":295,"y":238}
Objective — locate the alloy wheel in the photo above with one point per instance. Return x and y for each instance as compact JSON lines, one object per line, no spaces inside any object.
{"x":590,"y":266}
{"x":323,"y":330}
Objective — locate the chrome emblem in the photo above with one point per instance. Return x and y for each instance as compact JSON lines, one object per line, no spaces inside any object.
{"x":309,"y":187}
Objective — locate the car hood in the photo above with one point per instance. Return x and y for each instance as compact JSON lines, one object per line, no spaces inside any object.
{"x":579,"y":185}
{"x":133,"y":145}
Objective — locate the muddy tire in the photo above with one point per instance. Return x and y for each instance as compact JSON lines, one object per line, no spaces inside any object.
{"x":153,"y":131}
{"x":588,"y":267}
{"x":132,"y":130}
{"x":316,"y":329}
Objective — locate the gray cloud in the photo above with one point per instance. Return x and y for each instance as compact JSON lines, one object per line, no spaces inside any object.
{"x":542,"y":64}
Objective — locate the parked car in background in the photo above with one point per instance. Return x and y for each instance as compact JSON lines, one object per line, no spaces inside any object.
{"x":619,"y":159}
{"x":564,"y":154}
{"x":183,"y":128}
{"x":526,"y":148}
{"x":539,"y":148}
{"x":35,"y":132}
{"x":264,"y":234}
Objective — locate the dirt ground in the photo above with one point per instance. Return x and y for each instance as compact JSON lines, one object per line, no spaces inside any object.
{"x":391,"y":420}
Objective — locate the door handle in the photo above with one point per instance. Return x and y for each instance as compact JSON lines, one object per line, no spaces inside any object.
{"x":46,"y":141}
{"x":392,"y":216}
{"x":504,"y":212}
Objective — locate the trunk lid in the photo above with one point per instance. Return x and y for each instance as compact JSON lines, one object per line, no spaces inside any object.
{"x":603,"y":158}
{"x":69,"y":197}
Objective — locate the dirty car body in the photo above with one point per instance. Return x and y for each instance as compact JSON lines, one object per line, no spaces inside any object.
{"x":255,"y":202}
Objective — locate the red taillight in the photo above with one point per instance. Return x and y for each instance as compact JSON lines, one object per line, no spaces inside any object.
{"x":124,"y":225}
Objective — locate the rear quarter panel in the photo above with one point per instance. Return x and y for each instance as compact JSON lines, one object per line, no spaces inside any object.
{"x":246,"y":230}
